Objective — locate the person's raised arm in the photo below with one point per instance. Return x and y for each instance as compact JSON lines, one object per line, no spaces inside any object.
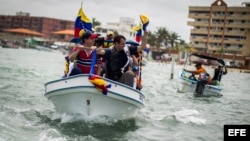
{"x":135,"y":61}
{"x":144,"y":41}
{"x":189,"y":71}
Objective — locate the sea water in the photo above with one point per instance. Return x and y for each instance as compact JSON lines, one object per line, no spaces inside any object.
{"x":26,"y":115}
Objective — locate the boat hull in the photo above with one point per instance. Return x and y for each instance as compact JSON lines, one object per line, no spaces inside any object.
{"x":77,"y":95}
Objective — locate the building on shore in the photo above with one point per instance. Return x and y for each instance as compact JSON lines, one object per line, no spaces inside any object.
{"x":42,"y":25}
{"x":123,"y":27}
{"x":221,"y":28}
{"x":48,"y":26}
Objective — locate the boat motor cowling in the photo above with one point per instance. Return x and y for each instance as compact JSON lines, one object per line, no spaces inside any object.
{"x":202,"y":81}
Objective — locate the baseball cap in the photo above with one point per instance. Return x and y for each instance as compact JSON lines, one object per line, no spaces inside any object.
{"x":110,"y":33}
{"x":89,"y":35}
{"x":197,"y":64}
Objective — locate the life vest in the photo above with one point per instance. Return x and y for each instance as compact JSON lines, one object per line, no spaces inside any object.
{"x":203,"y":75}
{"x":107,"y":43}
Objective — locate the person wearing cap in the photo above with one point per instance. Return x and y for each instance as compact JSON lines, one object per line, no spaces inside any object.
{"x":202,"y":81}
{"x":199,"y":69}
{"x":117,"y":59}
{"x":108,"y":42}
{"x":82,"y":55}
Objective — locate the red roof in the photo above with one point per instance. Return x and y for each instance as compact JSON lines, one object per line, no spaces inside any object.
{"x":23,"y":31}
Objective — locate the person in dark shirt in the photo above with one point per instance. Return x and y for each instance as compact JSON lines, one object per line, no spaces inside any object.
{"x":218,"y":72}
{"x":117,"y":59}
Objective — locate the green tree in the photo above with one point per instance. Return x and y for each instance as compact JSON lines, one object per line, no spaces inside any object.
{"x":173,"y":38}
{"x":95,"y":22}
{"x":162,"y":35}
{"x":116,"y":33}
{"x":152,"y":39}
{"x":182,"y":45}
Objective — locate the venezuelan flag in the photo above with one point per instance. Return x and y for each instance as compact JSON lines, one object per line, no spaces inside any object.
{"x":145,"y":21}
{"x":82,"y":22}
{"x":138,"y":30}
{"x":99,"y":83}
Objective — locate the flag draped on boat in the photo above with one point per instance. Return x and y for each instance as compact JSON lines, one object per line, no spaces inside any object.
{"x":82,"y":22}
{"x":96,"y":80}
{"x":99,"y":83}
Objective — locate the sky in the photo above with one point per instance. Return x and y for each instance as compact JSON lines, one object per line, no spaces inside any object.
{"x":171,"y":14}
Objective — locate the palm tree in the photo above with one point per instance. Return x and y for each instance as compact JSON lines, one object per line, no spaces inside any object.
{"x":183,"y":47}
{"x":95,"y":22}
{"x":152,"y":40}
{"x":162,"y":35}
{"x":116,"y":33}
{"x":173,"y":38}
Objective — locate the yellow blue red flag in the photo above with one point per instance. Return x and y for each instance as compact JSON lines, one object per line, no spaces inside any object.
{"x":138,"y":30}
{"x":145,"y":21}
{"x":82,"y":22}
{"x":99,"y":83}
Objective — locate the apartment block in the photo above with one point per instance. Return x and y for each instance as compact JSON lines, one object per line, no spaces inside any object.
{"x":221,"y":28}
{"x":124,"y":27}
{"x":43,"y":25}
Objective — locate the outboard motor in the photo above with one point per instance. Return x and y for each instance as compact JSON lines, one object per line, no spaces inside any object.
{"x":201,"y":82}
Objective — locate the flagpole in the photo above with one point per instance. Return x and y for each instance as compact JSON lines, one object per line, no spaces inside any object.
{"x":140,"y":68}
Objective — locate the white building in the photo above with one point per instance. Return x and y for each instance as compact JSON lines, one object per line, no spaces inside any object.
{"x":123,"y":27}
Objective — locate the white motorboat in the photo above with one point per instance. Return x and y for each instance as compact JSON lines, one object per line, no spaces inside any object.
{"x":77,"y":95}
{"x":188,"y":85}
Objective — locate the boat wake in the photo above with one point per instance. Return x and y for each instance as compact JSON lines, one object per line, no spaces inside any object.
{"x":189,"y":116}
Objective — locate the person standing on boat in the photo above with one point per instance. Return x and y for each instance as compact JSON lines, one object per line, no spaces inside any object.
{"x":82,"y":55}
{"x":218,"y":72}
{"x":117,"y":59}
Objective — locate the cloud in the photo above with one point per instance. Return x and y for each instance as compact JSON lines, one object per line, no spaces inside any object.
{"x":162,"y":13}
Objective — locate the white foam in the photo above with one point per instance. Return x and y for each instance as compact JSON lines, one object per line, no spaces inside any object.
{"x":189,"y":116}
{"x":65,"y":118}
{"x":51,"y":135}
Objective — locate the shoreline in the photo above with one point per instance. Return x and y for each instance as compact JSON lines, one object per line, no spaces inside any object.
{"x":228,"y":69}
{"x":238,"y":70}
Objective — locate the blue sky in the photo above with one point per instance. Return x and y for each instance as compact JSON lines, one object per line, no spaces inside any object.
{"x":162,"y":13}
